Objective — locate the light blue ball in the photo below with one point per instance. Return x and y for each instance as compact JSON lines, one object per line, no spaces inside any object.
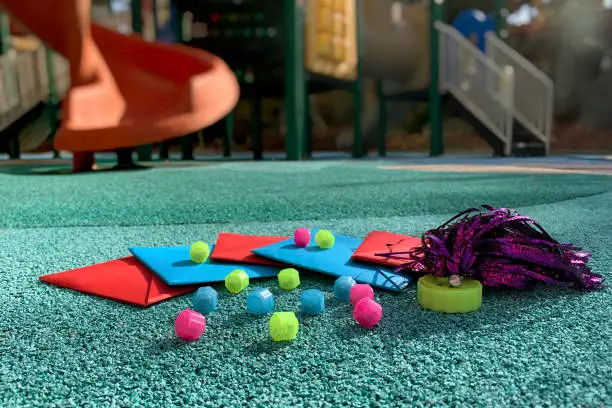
{"x":342,"y":288}
{"x":205,"y":300}
{"x":260,"y":301}
{"x":312,"y":302}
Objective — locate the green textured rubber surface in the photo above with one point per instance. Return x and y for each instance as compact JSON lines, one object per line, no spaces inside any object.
{"x":237,"y":193}
{"x":546,"y":347}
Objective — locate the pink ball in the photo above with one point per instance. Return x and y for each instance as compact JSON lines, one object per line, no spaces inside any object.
{"x":189,"y":325}
{"x":301,"y":237}
{"x":361,"y":291}
{"x":367,"y":312}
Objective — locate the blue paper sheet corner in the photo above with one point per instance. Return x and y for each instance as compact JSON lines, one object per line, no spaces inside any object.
{"x":174,"y":266}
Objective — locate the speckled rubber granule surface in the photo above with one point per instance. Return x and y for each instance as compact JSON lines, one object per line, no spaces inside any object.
{"x":58,"y":348}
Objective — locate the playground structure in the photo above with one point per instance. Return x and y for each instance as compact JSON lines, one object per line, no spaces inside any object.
{"x":339,"y":43}
{"x":505,"y":97}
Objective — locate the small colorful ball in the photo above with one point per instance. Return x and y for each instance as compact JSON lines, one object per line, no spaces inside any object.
{"x":343,"y":286}
{"x":301,"y":237}
{"x":361,"y":291}
{"x":312,"y":302}
{"x":284,"y":326}
{"x":289,"y":279}
{"x":260,"y":301}
{"x":455,"y":281}
{"x":205,"y":300}
{"x":199,"y":252}
{"x":325,"y":239}
{"x":189,"y":325}
{"x":367,"y":312}
{"x":237,"y":281}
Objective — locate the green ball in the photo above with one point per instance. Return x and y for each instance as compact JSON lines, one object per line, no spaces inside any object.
{"x":199,"y":252}
{"x":289,"y":279}
{"x":284,"y":326}
{"x":237,"y":281}
{"x":325,"y":239}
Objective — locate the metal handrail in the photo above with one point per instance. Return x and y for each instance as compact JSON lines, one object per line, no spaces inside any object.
{"x":482,"y":86}
{"x":533,"y":94}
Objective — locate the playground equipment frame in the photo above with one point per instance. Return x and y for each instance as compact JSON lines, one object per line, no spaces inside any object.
{"x":298,"y":143}
{"x":296,"y":98}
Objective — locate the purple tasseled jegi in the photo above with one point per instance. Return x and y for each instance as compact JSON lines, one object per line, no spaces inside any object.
{"x":498,"y":247}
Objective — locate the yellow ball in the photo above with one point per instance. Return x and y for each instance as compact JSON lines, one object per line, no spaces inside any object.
{"x":284,"y":326}
{"x":237,"y":281}
{"x":199,"y":252}
{"x":289,"y":279}
{"x":325,"y":239}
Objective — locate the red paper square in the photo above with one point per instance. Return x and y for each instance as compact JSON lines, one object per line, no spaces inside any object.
{"x":125,"y":280}
{"x":382,"y":242}
{"x":237,"y":248}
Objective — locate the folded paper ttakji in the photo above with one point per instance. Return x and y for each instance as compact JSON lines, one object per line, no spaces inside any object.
{"x":125,"y":280}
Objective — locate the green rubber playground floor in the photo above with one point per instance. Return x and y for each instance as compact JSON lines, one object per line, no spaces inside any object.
{"x":544,"y":347}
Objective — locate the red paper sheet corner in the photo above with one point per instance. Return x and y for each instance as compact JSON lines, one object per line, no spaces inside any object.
{"x":124,"y":280}
{"x":237,"y":248}
{"x":377,"y":242}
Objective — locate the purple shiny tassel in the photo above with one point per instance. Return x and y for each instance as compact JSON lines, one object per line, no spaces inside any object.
{"x":498,"y":247}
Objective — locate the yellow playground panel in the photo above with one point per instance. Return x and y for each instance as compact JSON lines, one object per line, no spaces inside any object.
{"x":331,"y":38}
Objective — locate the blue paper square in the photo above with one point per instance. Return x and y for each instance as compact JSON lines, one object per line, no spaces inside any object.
{"x":335,"y":261}
{"x":174,"y":266}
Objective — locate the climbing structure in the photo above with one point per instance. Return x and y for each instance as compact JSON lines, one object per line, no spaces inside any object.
{"x":506,"y":98}
{"x":289,"y":52}
{"x":33,"y":80}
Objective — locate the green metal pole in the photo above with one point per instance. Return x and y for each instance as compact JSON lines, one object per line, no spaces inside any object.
{"x":358,"y":148}
{"x":295,"y":86}
{"x":382,"y":119}
{"x":164,"y":151}
{"x":5,"y":33}
{"x":136,"y":7}
{"x":53,"y":109}
{"x":500,"y":9}
{"x":307,"y":124}
{"x":177,"y":24}
{"x":187,"y":142}
{"x":5,"y":46}
{"x":145,"y":153}
{"x":436,"y":116}
{"x":229,"y":135}
{"x":53,"y":97}
{"x":256,"y":125}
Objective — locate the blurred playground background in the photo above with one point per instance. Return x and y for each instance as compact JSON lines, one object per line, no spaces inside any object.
{"x":535,"y":77}
{"x":492,"y":77}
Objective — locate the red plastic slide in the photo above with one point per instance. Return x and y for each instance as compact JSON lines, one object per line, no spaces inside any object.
{"x":126,"y":92}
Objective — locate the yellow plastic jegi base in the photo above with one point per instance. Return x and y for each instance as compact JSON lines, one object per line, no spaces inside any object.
{"x":436,"y":294}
